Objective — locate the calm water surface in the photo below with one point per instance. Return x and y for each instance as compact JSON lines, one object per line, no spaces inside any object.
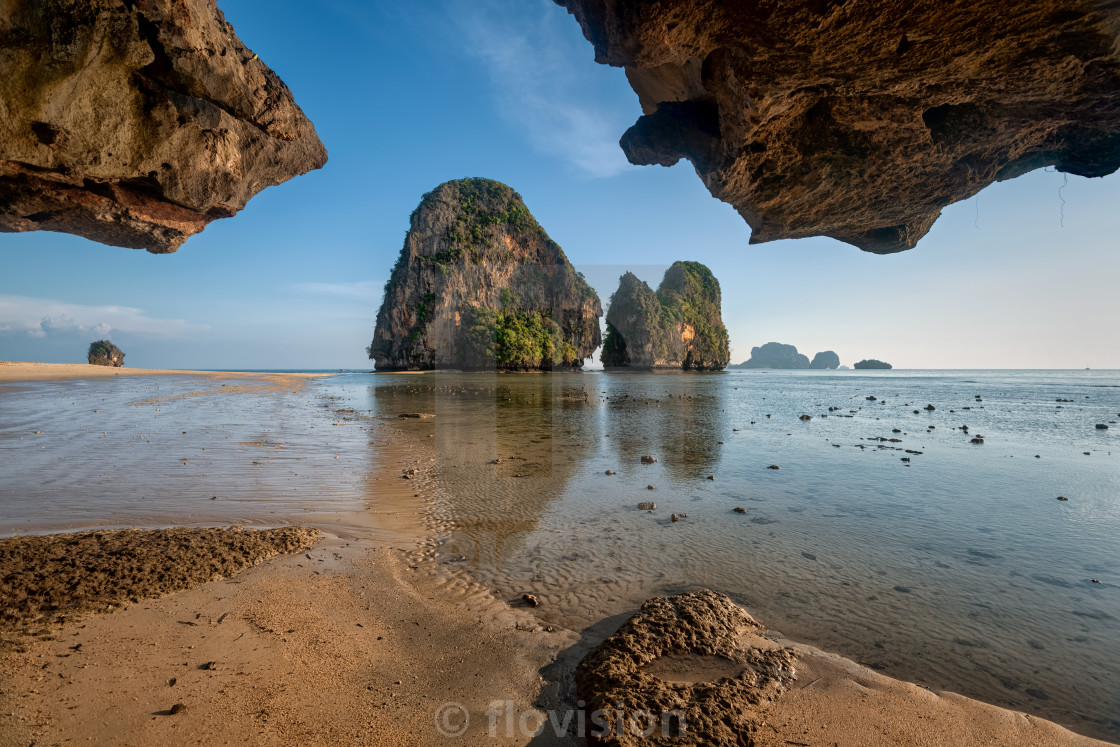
{"x":957,"y":569}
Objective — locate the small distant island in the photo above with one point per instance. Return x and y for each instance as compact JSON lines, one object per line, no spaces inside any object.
{"x":105,"y":353}
{"x":777,"y":355}
{"x":872,"y":363}
{"x":479,"y":285}
{"x":678,"y":327}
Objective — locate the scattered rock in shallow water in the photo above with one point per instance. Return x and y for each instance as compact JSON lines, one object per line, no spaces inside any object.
{"x":773,"y":466}
{"x":647,"y":506}
{"x":610,"y":472}
{"x":647,"y":459}
{"x":871,"y":399}
{"x":977,"y":441}
{"x":531,"y":600}
{"x":896,"y":430}
{"x":711,"y":477}
{"x":209,"y":666}
{"x":739,"y":510}
{"x":808,"y":556}
{"x":906,"y":459}
{"x":1062,"y":498}
{"x":649,"y":487}
{"x":810,"y":417}
{"x":931,"y":408}
{"x":675,"y":518}
{"x":1095,"y":581}
{"x":1102,"y":427}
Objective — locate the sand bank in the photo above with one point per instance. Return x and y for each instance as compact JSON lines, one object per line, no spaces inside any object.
{"x":16,"y":371}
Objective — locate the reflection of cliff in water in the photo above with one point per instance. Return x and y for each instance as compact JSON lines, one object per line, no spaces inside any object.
{"x":506,"y":446}
{"x":681,"y":427}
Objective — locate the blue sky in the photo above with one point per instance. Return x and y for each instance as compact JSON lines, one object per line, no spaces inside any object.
{"x":408,"y":95}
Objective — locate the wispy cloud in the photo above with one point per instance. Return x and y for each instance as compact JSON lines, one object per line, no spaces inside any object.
{"x":543,"y":81}
{"x":366,"y":289}
{"x":42,"y":317}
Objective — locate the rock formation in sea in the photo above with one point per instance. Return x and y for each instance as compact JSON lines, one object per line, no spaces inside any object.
{"x":775,"y":355}
{"x":479,"y":285}
{"x":105,"y":353}
{"x":680,"y":326}
{"x":137,"y":123}
{"x":861,"y":121}
{"x":825,"y":359}
{"x":872,"y":363}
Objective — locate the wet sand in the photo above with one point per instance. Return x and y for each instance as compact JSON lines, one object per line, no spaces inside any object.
{"x":361,"y":641}
{"x":16,"y":371}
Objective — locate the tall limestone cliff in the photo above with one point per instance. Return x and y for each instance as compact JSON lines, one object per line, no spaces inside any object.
{"x":776,"y":355}
{"x":679,"y":326}
{"x":479,"y":285}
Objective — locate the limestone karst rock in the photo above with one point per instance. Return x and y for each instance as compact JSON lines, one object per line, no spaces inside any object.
{"x":862,"y":120}
{"x":105,"y":353}
{"x":137,"y":122}
{"x":479,"y":285}
{"x":825,"y":359}
{"x":680,"y":326}
{"x":872,"y":363}
{"x":776,"y":355}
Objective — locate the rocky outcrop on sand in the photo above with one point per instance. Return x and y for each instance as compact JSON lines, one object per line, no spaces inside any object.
{"x":695,"y":662}
{"x":825,"y":359}
{"x":861,"y":121}
{"x":105,"y":353}
{"x":679,"y":327}
{"x":479,"y":285}
{"x":137,"y":123}
{"x":872,"y":363}
{"x":775,"y":355}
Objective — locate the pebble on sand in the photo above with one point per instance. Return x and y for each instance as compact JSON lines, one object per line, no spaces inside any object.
{"x":530,"y":600}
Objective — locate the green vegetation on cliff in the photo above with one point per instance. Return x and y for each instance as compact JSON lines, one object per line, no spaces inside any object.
{"x":679,"y":326}
{"x":480,"y":285}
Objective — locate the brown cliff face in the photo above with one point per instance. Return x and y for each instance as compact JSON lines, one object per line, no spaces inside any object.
{"x":680,"y":326}
{"x":861,"y":121}
{"x":479,"y":285}
{"x":137,"y":122}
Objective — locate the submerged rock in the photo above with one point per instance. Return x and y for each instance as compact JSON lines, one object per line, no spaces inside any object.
{"x":775,"y":355}
{"x":695,"y":661}
{"x":679,"y":326}
{"x":479,"y":285}
{"x":861,"y":121}
{"x":137,"y":123}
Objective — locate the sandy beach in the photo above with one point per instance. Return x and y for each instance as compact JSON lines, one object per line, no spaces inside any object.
{"x":16,"y":371}
{"x":360,"y":640}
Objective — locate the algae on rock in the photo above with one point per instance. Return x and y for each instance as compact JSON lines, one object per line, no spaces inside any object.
{"x":479,"y":285}
{"x":679,"y":326}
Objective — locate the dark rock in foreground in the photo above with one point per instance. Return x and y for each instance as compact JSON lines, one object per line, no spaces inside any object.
{"x":861,"y":121}
{"x":479,"y":285}
{"x":680,"y":326}
{"x":695,"y":662}
{"x":137,"y":123}
{"x":871,"y":363}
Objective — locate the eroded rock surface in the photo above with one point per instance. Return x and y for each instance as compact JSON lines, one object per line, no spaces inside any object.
{"x":776,"y":355}
{"x":479,"y":285}
{"x":825,"y":359}
{"x":679,"y":326}
{"x":697,"y":659}
{"x":137,"y":122}
{"x":861,"y":121}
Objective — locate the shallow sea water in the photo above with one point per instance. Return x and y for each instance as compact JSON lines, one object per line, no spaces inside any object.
{"x":958,"y":569}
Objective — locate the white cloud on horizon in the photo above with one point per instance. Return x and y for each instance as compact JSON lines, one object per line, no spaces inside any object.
{"x":537,"y":89}
{"x":40,"y":317}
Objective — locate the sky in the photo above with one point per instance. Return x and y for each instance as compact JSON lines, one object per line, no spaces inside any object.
{"x":408,"y":95}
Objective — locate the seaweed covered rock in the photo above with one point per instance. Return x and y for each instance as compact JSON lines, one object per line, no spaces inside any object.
{"x":479,"y":285}
{"x":137,"y":123}
{"x":862,"y":120}
{"x":105,"y":353}
{"x":872,"y":363}
{"x":776,"y":355}
{"x":825,"y":359}
{"x":679,"y":326}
